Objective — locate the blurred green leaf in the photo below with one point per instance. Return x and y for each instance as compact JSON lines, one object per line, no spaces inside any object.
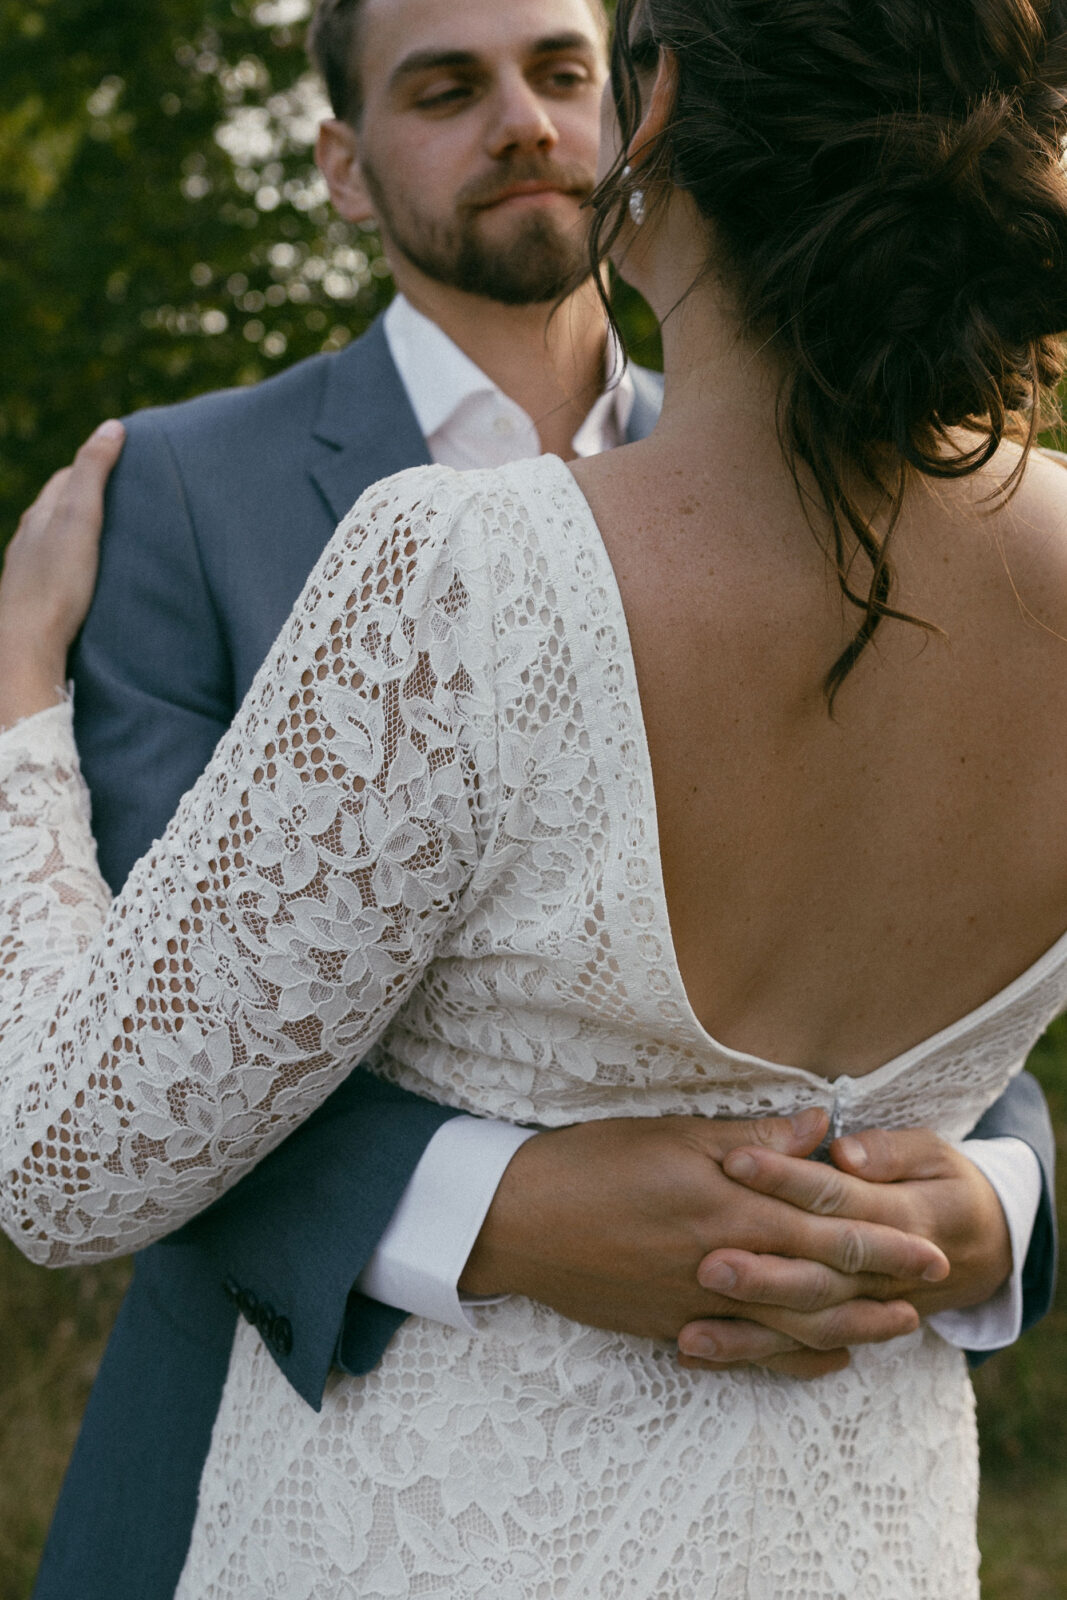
{"x":162,"y":227}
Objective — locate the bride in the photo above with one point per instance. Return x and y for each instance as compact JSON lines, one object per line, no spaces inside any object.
{"x":723,"y":774}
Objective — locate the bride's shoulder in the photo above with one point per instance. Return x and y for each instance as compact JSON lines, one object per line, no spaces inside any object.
{"x":434,"y":541}
{"x":1034,"y":507}
{"x":429,"y":487}
{"x":1027,"y":516}
{"x":439,"y":507}
{"x":439,"y":492}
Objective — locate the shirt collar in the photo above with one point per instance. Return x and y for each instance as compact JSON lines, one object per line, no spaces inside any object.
{"x":609,"y":416}
{"x":433,"y":369}
{"x":439,"y":377}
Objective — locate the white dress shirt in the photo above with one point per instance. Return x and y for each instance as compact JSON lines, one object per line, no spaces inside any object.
{"x":468,"y":422}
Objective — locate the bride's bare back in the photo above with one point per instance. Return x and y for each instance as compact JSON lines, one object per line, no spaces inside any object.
{"x":841,"y":889}
{"x":852,"y":230}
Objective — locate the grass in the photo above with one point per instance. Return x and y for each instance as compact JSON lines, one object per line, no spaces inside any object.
{"x":1023,"y":1530}
{"x":54,"y":1326}
{"x":1022,"y":1412}
{"x":52,"y":1331}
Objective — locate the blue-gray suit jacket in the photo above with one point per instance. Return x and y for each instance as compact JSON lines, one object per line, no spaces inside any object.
{"x":217,"y":512}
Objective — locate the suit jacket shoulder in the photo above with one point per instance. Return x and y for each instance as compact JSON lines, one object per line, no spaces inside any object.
{"x":258,"y":477}
{"x":342,"y":418}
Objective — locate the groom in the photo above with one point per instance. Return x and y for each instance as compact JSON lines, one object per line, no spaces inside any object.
{"x":470,"y":132}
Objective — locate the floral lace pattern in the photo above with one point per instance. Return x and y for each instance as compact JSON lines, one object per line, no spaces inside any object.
{"x":430,"y":836}
{"x":543,"y":1460}
{"x":150,"y":1052}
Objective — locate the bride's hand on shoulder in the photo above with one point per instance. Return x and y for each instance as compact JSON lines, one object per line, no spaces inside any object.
{"x":48,"y":577}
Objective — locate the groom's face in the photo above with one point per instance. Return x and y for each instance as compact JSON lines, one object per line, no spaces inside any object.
{"x":477,"y":140}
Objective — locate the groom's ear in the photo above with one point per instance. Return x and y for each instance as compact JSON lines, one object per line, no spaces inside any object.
{"x":337,"y":158}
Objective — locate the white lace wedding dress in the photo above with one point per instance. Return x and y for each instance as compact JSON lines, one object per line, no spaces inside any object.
{"x":431,"y":835}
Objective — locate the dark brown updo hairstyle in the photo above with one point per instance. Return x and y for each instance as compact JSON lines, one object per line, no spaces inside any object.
{"x":886,"y":186}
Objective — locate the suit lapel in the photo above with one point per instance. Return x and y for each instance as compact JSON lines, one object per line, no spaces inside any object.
{"x":365,"y":429}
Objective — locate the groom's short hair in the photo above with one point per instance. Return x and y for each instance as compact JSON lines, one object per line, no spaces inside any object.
{"x":333,"y":45}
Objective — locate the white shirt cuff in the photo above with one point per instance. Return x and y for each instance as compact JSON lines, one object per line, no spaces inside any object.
{"x":422,"y":1252}
{"x":1015,"y":1173}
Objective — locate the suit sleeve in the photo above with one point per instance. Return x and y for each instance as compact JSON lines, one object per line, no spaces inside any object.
{"x":1022,"y":1113}
{"x":154,"y":693}
{"x":153,"y":683}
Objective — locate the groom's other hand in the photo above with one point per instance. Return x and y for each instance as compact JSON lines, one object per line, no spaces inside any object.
{"x":608,"y":1222}
{"x":909,"y":1179}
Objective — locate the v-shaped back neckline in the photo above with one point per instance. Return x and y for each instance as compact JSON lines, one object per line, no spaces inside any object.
{"x":1026,"y":981}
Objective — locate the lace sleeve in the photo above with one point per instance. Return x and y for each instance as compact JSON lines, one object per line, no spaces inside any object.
{"x":153,"y":1049}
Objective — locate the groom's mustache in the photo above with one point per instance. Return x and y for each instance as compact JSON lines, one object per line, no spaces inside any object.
{"x":526,"y":176}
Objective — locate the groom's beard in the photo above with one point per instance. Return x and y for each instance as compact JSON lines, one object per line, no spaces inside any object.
{"x":541,"y":261}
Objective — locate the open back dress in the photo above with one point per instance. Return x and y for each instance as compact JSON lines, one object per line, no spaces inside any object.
{"x":430,"y":841}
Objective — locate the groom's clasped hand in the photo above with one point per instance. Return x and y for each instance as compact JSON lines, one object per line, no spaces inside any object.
{"x":723,"y":1235}
{"x":785,"y":1310}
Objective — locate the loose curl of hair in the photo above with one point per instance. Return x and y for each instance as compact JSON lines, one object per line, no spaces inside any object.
{"x":885,"y":183}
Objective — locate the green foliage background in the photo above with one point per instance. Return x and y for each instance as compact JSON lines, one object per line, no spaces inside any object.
{"x":163,"y":232}
{"x":162,"y":228}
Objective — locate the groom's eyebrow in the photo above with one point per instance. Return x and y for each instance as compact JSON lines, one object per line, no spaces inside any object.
{"x":437,"y":60}
{"x":429,"y":61}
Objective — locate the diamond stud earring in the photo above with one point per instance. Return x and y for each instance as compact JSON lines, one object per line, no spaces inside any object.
{"x":636,"y":201}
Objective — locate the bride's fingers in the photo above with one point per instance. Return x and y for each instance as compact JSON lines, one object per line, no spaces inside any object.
{"x":73,"y":495}
{"x":46,"y":502}
{"x":50,"y":564}
{"x":79,"y":505}
{"x":72,"y":499}
{"x":796,"y":1285}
